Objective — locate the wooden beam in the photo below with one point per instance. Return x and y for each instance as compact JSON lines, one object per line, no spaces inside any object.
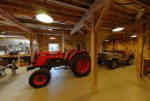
{"x":120,"y":8}
{"x":54,"y":25}
{"x":31,"y":12}
{"x":140,"y":44}
{"x":36,"y":31}
{"x":98,"y":4}
{"x":137,"y":23}
{"x":87,"y":27}
{"x":81,"y":32}
{"x":8,"y":17}
{"x":67,"y":5}
{"x":46,"y":7}
{"x":121,"y":16}
{"x":95,"y":25}
{"x":140,"y":2}
{"x":104,"y":13}
{"x":81,"y":2}
{"x":93,"y":51}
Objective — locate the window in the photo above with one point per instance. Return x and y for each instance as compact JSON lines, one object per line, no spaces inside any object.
{"x":53,"y":47}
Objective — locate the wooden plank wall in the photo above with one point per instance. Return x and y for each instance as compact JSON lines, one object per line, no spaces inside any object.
{"x":70,"y":42}
{"x":123,"y":44}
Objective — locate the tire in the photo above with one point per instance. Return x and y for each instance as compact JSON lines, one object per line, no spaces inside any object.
{"x":39,"y":78}
{"x":99,"y":62}
{"x":113,"y":64}
{"x":80,"y":65}
{"x":130,"y":61}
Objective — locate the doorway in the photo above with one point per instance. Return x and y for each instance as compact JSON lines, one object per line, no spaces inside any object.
{"x":53,"y":47}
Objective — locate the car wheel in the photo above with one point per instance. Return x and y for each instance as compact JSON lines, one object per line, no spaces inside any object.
{"x":130,"y":61}
{"x":114,"y":64}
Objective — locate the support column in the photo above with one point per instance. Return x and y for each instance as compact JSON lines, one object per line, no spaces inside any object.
{"x":114,"y":44}
{"x":31,"y":47}
{"x":94,"y":70}
{"x":140,"y":45}
{"x":63,"y":42}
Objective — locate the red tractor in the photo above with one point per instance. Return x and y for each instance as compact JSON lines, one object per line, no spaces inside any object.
{"x":78,"y":62}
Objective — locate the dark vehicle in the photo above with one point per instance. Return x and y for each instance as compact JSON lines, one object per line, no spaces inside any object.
{"x":77,"y":61}
{"x":113,"y":58}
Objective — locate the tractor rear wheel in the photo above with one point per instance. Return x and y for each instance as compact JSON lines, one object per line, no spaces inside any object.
{"x":80,"y":65}
{"x":40,"y":78}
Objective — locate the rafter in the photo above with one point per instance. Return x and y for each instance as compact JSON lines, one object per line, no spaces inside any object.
{"x":38,"y":5}
{"x":67,"y":5}
{"x":142,"y":4}
{"x":137,"y":23}
{"x":81,"y":32}
{"x":55,"y":25}
{"x":104,"y":13}
{"x":8,"y":17}
{"x":31,"y":14}
{"x":37,"y":31}
{"x":87,"y":27}
{"x":96,"y":6}
{"x":31,"y":11}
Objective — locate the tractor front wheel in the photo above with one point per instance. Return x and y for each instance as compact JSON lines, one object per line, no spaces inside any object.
{"x":40,"y":78}
{"x":80,"y":65}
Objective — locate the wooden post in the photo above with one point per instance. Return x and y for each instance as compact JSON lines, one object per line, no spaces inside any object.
{"x":114,"y":44}
{"x":140,"y":45}
{"x":63,"y":42}
{"x":94,"y":70}
{"x":31,"y":47}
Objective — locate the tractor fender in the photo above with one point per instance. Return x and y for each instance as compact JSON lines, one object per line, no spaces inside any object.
{"x":72,"y":53}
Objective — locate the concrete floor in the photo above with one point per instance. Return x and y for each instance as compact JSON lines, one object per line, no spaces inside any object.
{"x":120,"y":84}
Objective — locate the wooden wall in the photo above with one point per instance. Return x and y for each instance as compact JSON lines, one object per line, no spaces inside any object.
{"x":101,"y":36}
{"x":120,"y":44}
{"x":70,"y":41}
{"x":44,"y":40}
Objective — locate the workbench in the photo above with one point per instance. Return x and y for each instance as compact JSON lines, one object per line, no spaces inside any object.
{"x":17,"y":56}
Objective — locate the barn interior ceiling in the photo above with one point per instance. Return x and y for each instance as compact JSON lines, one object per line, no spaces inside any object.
{"x":67,"y":13}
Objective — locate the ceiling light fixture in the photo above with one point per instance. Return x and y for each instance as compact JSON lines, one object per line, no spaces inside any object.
{"x":52,"y":38}
{"x":118,"y":29}
{"x":2,"y":36}
{"x":11,"y":36}
{"x":44,"y":18}
{"x":50,"y":29}
{"x":133,"y":36}
{"x":106,"y":40}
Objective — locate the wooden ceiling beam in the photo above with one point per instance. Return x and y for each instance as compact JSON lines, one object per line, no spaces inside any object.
{"x":104,"y":14}
{"x":67,"y":5}
{"x":121,"y":16}
{"x":137,"y":23}
{"x":37,"y":9}
{"x":81,"y":32}
{"x":39,"y":5}
{"x":56,"y":25}
{"x":32,"y":14}
{"x":114,"y":23}
{"x":36,"y":31}
{"x":87,"y":27}
{"x":8,"y":17}
{"x":116,"y":20}
{"x":82,"y":2}
{"x":96,"y":6}
{"x":140,"y":2}
{"x":123,"y":9}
